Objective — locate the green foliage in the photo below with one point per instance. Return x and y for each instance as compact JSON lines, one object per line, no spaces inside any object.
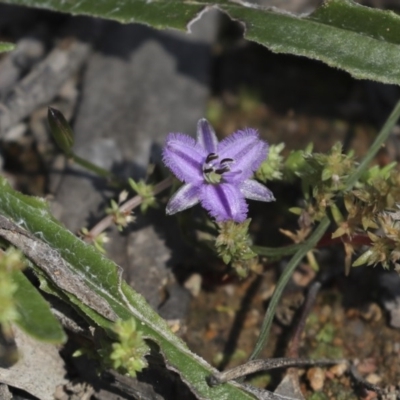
{"x":323,"y":335}
{"x":146,"y":192}
{"x":385,"y":246}
{"x":360,"y":40}
{"x":271,"y":168}
{"x":120,"y":218}
{"x":128,"y":353}
{"x":369,"y":206}
{"x":318,"y":396}
{"x":21,"y":303}
{"x":295,"y":163}
{"x":322,"y":177}
{"x":34,"y":314}
{"x":99,"y":241}
{"x":326,"y":334}
{"x":10,"y":262}
{"x":4,"y":47}
{"x":233,"y":246}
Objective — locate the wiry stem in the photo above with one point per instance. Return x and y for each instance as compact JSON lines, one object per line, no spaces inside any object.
{"x":265,"y":365}
{"x":126,"y":207}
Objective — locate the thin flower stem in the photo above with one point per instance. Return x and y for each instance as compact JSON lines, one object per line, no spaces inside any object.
{"x":319,"y":232}
{"x":126,"y":207}
{"x":365,"y":384}
{"x":283,"y":280}
{"x":276,"y":252}
{"x":375,"y":147}
{"x":93,"y":168}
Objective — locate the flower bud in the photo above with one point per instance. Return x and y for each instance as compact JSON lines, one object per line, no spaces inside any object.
{"x":61,"y":130}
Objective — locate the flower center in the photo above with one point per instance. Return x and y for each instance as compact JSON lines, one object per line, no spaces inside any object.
{"x":213,"y":170}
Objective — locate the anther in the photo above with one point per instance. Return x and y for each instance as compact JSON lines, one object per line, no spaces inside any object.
{"x":211,"y":157}
{"x":220,"y":171}
{"x":208,"y":170}
{"x":226,"y":160}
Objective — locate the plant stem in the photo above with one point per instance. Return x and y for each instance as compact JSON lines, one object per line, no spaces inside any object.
{"x":378,"y":143}
{"x":93,"y":168}
{"x":283,"y":280}
{"x":319,"y":232}
{"x":126,"y":207}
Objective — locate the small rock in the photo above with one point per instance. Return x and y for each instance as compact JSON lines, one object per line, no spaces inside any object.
{"x":371,"y":313}
{"x":193,"y":284}
{"x":174,"y":325}
{"x":5,"y":393}
{"x":395,"y":318}
{"x":252,"y":319}
{"x":316,"y":378}
{"x":338,"y":369}
{"x":229,"y":290}
{"x":325,"y":313}
{"x":373,"y":379}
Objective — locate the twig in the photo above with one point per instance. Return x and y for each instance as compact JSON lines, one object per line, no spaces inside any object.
{"x":362,"y":382}
{"x":265,"y":365}
{"x":126,"y":207}
{"x":293,"y":350}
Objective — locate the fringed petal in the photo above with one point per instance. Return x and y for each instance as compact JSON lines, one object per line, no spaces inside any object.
{"x":254,"y":190}
{"x":184,"y":157}
{"x":246,"y":149}
{"x":206,"y":136}
{"x":187,"y":196}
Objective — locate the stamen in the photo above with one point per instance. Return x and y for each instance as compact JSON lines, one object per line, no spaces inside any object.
{"x":211,"y":157}
{"x":226,"y":160}
{"x":208,"y":170}
{"x":220,"y":171}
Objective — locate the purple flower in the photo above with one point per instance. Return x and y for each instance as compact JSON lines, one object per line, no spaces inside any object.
{"x":216,"y":174}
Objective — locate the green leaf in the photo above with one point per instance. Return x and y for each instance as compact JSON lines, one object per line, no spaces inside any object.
{"x":360,"y":40}
{"x":35,"y":317}
{"x":160,"y":14}
{"x":103,"y":278}
{"x":326,"y":174}
{"x":6,"y":47}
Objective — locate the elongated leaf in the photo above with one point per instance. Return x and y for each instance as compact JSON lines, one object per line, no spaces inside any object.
{"x":35,"y":317}
{"x":6,"y":47}
{"x":360,"y":40}
{"x":102,"y":277}
{"x":160,"y":14}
